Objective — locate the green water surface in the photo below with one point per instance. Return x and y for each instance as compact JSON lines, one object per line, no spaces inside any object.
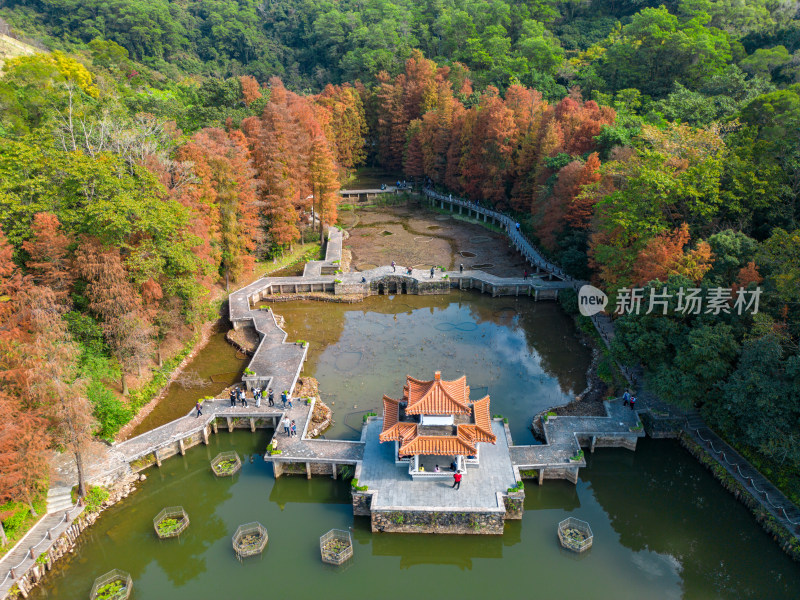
{"x":663,"y":529}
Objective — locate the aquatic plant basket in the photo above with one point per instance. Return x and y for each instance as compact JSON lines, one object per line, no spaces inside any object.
{"x":575,"y":535}
{"x":164,"y":526}
{"x":114,"y":585}
{"x":226,"y":464}
{"x":336,"y":547}
{"x":250,"y":539}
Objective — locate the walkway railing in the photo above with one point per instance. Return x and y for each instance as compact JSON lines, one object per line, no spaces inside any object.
{"x":47,"y":537}
{"x":605,"y":327}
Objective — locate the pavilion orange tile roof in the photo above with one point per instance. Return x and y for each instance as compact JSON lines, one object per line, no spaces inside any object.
{"x":437,"y":397}
{"x":441,"y":445}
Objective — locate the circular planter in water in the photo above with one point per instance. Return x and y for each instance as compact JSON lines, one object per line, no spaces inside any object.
{"x":575,"y":535}
{"x":171,"y":522}
{"x":114,"y":585}
{"x":225,"y":464}
{"x":336,"y":547}
{"x":250,"y":539}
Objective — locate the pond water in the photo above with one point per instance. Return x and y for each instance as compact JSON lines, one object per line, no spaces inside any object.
{"x":663,"y":528}
{"x":216,"y":366}
{"x":524,"y":354}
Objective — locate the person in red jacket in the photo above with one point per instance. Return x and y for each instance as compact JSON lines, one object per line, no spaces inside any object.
{"x":457,"y":480}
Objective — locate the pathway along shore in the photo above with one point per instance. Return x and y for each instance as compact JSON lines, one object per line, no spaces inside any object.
{"x":277,"y":364}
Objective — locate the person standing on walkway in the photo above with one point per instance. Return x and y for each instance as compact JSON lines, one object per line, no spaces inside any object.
{"x":243,"y":398}
{"x":457,"y":480}
{"x":283,"y":398}
{"x":287,"y":426}
{"x":199,"y":408}
{"x":257,"y":397}
{"x":271,"y":397}
{"x":289,"y":401}
{"x":294,"y":428}
{"x":461,"y":268}
{"x":394,"y":267}
{"x":233,"y":396}
{"x":626,"y":398}
{"x":525,"y":274}
{"x":517,"y":226}
{"x":432,"y":270}
{"x":633,"y":402}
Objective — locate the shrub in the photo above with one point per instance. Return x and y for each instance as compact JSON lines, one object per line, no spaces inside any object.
{"x":358,"y":488}
{"x":95,"y":497}
{"x":368,"y":415}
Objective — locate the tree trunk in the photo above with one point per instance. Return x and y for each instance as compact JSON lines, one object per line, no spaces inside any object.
{"x":3,"y":538}
{"x":81,"y":475}
{"x":124,"y":383}
{"x":160,"y":358}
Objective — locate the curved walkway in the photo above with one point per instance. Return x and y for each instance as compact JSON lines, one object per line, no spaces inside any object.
{"x":770,"y":498}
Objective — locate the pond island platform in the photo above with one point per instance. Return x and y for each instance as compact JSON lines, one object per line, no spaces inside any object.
{"x":394,"y":465}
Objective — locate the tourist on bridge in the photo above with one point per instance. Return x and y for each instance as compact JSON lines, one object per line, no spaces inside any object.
{"x":243,"y":397}
{"x":409,"y":270}
{"x":633,"y":402}
{"x":432,"y":270}
{"x":294,"y":428}
{"x":199,"y":408}
{"x":517,"y":226}
{"x":287,"y":426}
{"x":394,"y":267}
{"x":257,"y":396}
{"x":525,"y":274}
{"x":234,"y":392}
{"x":461,"y":268}
{"x":626,"y":398}
{"x":271,"y":397}
{"x":457,"y":480}
{"x":284,"y":398}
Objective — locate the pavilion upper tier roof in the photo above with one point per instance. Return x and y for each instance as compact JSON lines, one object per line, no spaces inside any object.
{"x":437,"y":397}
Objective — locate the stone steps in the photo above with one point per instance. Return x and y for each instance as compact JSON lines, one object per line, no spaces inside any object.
{"x":59,"y":499}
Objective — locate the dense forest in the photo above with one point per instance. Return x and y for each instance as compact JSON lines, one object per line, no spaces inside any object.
{"x":156,"y":150}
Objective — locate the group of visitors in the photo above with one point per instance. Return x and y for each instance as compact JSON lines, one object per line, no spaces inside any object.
{"x":289,"y":427}
{"x":629,"y":400}
{"x":240,"y":394}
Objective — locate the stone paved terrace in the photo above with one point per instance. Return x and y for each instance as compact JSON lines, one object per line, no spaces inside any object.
{"x":300,"y":448}
{"x":396,"y":490}
{"x":564,"y":434}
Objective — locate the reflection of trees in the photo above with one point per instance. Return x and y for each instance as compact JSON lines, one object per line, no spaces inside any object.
{"x":320,"y":490}
{"x":660,"y":499}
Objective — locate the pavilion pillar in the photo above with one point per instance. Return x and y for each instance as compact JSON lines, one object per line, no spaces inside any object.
{"x":416,"y":462}
{"x":205,"y":433}
{"x":594,"y":440}
{"x":158,"y":458}
{"x":214,"y":426}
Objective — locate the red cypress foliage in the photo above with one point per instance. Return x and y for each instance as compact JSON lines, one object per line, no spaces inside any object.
{"x":251,"y":91}
{"x":583,"y":196}
{"x":114,"y":300}
{"x":345,"y":123}
{"x":664,"y":256}
{"x":49,"y":263}
{"x":23,"y":452}
{"x":413,"y":160}
{"x":324,"y":182}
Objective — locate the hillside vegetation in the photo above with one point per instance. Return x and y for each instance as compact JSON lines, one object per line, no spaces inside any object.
{"x":162,"y":148}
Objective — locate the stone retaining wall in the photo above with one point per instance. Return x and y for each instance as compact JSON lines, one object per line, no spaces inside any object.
{"x":67,"y":541}
{"x":429,"y":521}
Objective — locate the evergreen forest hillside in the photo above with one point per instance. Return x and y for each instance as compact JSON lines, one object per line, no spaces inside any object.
{"x":152,"y":153}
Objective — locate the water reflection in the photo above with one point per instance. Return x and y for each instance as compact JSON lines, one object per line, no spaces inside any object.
{"x":524,"y":354}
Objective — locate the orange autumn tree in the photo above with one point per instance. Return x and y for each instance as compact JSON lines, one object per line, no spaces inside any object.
{"x":664,"y":255}
{"x":48,"y":262}
{"x":324,"y":182}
